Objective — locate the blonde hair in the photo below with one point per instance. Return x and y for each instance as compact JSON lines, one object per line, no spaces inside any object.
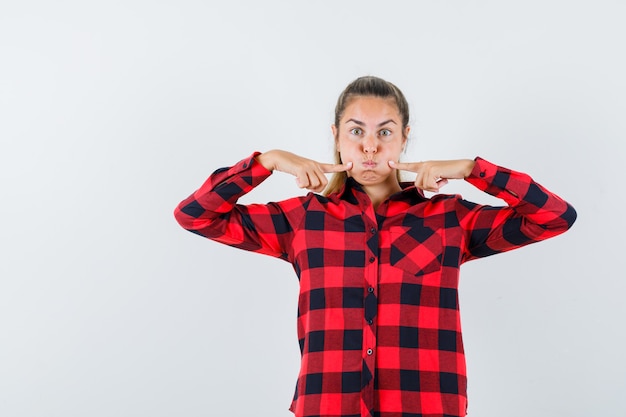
{"x":367,"y":86}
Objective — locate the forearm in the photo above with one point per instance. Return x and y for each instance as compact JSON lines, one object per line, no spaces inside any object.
{"x":533,"y":212}
{"x":219,"y":193}
{"x":523,"y":194}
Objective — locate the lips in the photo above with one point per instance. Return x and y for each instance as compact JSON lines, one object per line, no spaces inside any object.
{"x":369,"y":164}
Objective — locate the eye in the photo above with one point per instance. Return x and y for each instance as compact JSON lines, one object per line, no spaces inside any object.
{"x":356,"y":131}
{"x":385,"y":132}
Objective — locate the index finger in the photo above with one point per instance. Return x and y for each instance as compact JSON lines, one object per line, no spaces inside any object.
{"x":330,"y":168}
{"x":406,"y":166}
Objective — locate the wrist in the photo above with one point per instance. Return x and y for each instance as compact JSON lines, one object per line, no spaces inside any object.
{"x":470,"y":163}
{"x":267,"y":160}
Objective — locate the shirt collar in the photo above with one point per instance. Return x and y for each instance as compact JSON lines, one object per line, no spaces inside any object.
{"x":351,"y":187}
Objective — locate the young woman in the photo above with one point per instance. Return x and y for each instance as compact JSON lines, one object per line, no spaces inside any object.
{"x":377,"y":261}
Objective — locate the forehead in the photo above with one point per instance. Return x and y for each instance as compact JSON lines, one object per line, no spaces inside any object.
{"x":371,"y":109}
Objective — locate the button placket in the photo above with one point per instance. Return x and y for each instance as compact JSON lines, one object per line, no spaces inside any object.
{"x":371,"y":278}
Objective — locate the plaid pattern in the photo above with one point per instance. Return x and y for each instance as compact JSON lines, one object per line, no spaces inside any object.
{"x":378,"y":312}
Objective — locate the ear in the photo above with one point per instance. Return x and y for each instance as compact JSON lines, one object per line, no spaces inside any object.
{"x":405,"y":139}
{"x":333,"y":128}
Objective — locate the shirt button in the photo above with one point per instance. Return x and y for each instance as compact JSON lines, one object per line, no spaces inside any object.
{"x":370,"y":351}
{"x":373,"y":230}
{"x":370,"y":321}
{"x":370,"y":289}
{"x":482,"y":174}
{"x":372,"y":259}
{"x":245,"y":165}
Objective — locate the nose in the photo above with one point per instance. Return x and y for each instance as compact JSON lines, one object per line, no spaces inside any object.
{"x":369,"y":146}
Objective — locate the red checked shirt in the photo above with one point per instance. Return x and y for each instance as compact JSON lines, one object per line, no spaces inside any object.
{"x":378,"y":312}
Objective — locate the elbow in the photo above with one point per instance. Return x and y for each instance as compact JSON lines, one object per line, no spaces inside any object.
{"x":187,"y":213}
{"x":180,"y":217}
{"x":569,"y":216}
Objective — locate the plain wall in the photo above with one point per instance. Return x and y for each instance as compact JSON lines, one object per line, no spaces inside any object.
{"x":111,"y":112}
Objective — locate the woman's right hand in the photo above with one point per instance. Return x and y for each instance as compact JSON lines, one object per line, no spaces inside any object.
{"x":309,"y":174}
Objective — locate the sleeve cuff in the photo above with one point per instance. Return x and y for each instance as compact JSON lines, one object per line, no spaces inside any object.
{"x":483,"y":170}
{"x":497,"y":181}
{"x":250,"y":166}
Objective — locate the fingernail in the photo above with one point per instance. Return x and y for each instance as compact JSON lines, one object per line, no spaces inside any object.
{"x":392,"y":163}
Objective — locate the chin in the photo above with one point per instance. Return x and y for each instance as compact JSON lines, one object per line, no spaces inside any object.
{"x":370,"y":177}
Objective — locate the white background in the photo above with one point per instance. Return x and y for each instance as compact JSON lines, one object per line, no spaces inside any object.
{"x":111,"y":112}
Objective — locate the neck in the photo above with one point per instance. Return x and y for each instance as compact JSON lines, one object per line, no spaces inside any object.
{"x":380,"y":192}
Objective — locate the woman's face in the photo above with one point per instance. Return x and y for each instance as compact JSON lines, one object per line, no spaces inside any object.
{"x":369,"y":135}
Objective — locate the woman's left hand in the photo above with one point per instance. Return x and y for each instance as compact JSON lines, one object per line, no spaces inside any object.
{"x":432,"y":175}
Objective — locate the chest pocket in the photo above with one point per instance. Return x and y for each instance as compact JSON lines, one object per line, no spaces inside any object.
{"x":417,"y":249}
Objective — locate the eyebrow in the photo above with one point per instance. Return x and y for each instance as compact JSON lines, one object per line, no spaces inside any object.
{"x":360,"y":123}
